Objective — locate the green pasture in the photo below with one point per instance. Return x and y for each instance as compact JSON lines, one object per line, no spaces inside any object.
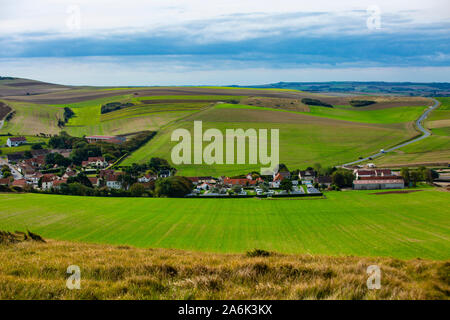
{"x":345,"y":223}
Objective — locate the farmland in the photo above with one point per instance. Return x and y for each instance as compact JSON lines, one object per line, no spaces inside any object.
{"x":345,"y":223}
{"x":304,"y":139}
{"x":308,"y":134}
{"x":433,"y":150}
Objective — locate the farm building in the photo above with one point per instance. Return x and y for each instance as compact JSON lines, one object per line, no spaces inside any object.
{"x":109,"y":139}
{"x":363,"y":173}
{"x":15,"y":141}
{"x":375,"y":184}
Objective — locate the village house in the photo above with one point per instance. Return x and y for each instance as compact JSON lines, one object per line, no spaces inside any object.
{"x":57,"y":183}
{"x":280,"y":175}
{"x":94,"y":181}
{"x":34,"y":178}
{"x":97,"y":162}
{"x":147,"y":178}
{"x":241,"y":182}
{"x":326,"y":181}
{"x":164,"y":174}
{"x":112,"y":181}
{"x":5,"y":181}
{"x":19,"y":183}
{"x":307,"y":176}
{"x":109,"y":139}
{"x":47,"y":181}
{"x":15,"y":141}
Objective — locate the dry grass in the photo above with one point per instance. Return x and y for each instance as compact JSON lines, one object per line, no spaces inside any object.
{"x":31,"y":270}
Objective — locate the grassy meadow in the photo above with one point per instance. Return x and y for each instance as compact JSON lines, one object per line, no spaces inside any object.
{"x":38,"y":271}
{"x":357,"y":223}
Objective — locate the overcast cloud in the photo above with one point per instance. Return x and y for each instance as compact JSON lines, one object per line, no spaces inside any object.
{"x":195,"y":42}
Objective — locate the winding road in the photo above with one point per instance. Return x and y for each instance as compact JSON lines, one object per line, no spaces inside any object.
{"x":419,"y":125}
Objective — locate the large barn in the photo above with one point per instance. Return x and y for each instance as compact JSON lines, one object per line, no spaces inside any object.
{"x":378,"y":184}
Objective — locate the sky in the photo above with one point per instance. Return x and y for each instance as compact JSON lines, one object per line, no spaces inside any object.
{"x":216,"y":42}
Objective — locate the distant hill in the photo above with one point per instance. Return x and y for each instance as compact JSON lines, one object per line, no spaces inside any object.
{"x":441,"y":89}
{"x":11,"y":86}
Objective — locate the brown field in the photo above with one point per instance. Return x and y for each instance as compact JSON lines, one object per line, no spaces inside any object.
{"x":381,"y":101}
{"x":276,"y":103}
{"x":34,"y":270}
{"x":23,"y":87}
{"x":78,"y":95}
{"x":4,"y":110}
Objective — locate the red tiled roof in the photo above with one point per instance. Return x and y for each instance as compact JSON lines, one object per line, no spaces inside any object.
{"x":380,"y":178}
{"x":93,"y":180}
{"x":366,"y":172}
{"x":20,"y":183}
{"x":242,"y":182}
{"x":17,"y":139}
{"x":58,"y":182}
{"x":95,"y":159}
{"x":6,"y":181}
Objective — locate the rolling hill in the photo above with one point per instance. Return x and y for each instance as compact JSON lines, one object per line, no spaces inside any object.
{"x":308,"y":133}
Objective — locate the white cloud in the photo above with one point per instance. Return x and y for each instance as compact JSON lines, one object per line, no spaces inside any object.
{"x":139,"y":71}
{"x":228,"y":19}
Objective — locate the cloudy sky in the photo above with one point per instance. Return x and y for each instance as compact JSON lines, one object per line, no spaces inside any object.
{"x":218,"y":42}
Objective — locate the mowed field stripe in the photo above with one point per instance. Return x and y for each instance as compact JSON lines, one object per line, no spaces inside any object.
{"x":346,"y":223}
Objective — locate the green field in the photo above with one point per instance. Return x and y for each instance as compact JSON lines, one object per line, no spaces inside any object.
{"x":30,"y":140}
{"x":31,"y":119}
{"x":345,"y":223}
{"x":304,"y":139}
{"x":435,"y":149}
{"x":348,"y":113}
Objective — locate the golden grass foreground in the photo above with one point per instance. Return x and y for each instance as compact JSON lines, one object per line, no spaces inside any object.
{"x":37,"y":270}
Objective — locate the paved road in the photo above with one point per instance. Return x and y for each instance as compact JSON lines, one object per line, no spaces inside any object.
{"x":15,"y":173}
{"x":419,"y":125}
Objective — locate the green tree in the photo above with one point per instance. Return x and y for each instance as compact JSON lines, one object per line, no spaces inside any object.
{"x":415,"y":177}
{"x":236,"y":188}
{"x":404,"y":172}
{"x":173,"y":187}
{"x":342,"y":178}
{"x":286,"y":185}
{"x":137,"y":190}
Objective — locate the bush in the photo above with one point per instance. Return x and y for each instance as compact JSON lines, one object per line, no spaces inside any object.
{"x":342,"y":178}
{"x":361,"y":103}
{"x":173,"y":187}
{"x":258,"y":253}
{"x":316,"y":102}
{"x":113,"y":106}
{"x":137,"y":190}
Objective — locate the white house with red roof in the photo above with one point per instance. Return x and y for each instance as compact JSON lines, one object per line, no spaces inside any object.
{"x":15,"y":141}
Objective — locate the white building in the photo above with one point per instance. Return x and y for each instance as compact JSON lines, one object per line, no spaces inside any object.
{"x":378,"y":184}
{"x":15,"y":141}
